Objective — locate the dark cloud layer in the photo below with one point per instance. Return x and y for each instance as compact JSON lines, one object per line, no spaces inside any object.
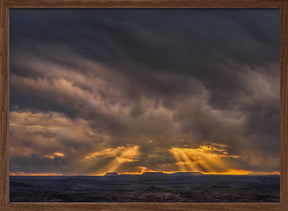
{"x":150,"y":86}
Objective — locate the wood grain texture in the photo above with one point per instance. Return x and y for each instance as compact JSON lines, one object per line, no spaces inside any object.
{"x":4,"y":157}
{"x":284,"y":107}
{"x":4,"y":106}
{"x":148,"y":206}
{"x":146,"y":3}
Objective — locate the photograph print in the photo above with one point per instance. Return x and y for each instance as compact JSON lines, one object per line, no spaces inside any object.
{"x":144,"y":105}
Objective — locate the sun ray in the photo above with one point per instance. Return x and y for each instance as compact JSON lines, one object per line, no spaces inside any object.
{"x":212,"y":157}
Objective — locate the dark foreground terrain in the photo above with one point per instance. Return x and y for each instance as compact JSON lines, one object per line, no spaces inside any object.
{"x":129,"y":188}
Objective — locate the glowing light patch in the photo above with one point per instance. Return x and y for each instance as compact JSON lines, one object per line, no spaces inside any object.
{"x":55,"y":154}
{"x":205,"y":158}
{"x":59,"y":154}
{"x":119,"y":156}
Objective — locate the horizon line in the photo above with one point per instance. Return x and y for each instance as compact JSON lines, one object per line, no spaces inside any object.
{"x":141,"y":173}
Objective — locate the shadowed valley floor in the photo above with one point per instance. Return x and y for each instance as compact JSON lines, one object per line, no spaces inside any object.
{"x":145,"y":188}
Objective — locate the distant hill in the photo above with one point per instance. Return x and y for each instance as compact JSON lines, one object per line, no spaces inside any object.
{"x":153,"y":174}
{"x":146,"y":174}
{"x":186,"y":174}
{"x":111,"y":174}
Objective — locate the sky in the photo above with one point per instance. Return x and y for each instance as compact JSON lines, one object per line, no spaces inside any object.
{"x":141,"y":90}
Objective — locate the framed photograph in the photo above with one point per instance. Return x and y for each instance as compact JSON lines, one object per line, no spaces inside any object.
{"x":144,"y":105}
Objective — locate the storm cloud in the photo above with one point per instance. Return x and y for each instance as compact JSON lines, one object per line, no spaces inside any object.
{"x":134,"y":90}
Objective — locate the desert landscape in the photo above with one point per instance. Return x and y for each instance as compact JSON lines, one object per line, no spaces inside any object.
{"x":148,"y":187}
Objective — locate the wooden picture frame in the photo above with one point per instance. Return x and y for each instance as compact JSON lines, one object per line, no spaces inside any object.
{"x":4,"y":98}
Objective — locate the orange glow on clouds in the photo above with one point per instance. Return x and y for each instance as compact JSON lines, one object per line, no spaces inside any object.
{"x":34,"y":174}
{"x":208,"y":158}
{"x":55,"y":154}
{"x":212,"y":158}
{"x":45,"y":132}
